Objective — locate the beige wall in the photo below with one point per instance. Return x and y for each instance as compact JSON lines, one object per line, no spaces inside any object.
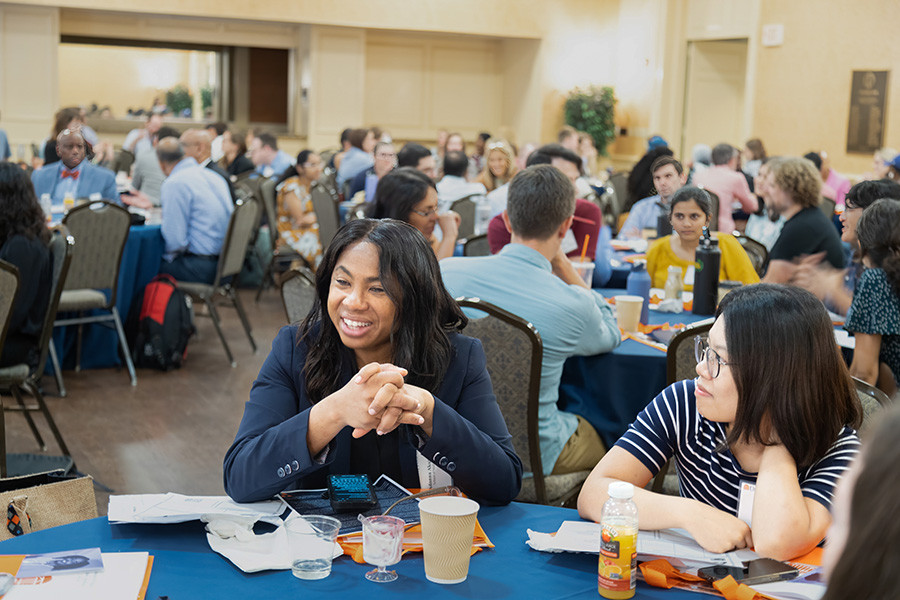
{"x":803,"y":87}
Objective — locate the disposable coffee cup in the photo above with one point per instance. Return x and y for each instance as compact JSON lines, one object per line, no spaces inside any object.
{"x":585,"y":271}
{"x":448,"y":528}
{"x":628,"y":312}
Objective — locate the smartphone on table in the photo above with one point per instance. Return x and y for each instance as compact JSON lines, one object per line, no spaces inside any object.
{"x":761,"y":570}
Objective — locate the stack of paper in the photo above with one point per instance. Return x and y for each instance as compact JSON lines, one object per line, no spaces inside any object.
{"x":176,"y":508}
{"x":125,"y":575}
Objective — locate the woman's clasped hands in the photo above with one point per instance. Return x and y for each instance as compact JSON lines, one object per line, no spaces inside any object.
{"x":379,"y":398}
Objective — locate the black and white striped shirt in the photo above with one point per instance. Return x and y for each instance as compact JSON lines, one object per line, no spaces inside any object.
{"x":671,"y":426}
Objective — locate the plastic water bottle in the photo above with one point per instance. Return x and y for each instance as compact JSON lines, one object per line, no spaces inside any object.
{"x":674,"y":285}
{"x":706,"y":277}
{"x":616,"y":569}
{"x":482,"y":215}
{"x":47,"y":207}
{"x":638,"y":284}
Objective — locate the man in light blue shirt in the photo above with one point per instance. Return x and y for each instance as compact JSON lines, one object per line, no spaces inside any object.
{"x":196,"y":208}
{"x":668,"y":178}
{"x":270,"y":162}
{"x":531,"y":277}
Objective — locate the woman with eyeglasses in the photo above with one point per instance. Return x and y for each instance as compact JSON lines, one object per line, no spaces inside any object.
{"x":408,"y":195}
{"x":297,"y":224}
{"x":499,"y":166}
{"x":759,"y":438}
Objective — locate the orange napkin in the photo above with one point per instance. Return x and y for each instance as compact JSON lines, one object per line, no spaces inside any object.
{"x":412,"y":542}
{"x":659,"y":573}
{"x":631,"y":258}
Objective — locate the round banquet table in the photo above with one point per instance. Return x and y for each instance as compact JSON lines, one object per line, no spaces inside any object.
{"x":184,"y":566}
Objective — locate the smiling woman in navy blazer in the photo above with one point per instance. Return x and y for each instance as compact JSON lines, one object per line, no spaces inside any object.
{"x":375,"y":380}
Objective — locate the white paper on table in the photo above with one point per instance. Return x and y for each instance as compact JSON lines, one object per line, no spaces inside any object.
{"x":177,"y":508}
{"x":844,"y":339}
{"x":584,"y":536}
{"x":121,"y":578}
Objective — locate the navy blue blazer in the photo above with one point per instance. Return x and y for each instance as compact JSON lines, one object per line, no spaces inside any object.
{"x":469,"y":440}
{"x":91,"y":180}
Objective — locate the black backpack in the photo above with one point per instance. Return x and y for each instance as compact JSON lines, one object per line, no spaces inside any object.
{"x":160,"y":324}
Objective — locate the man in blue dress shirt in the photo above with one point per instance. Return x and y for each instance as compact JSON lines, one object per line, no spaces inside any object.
{"x":72,"y":174}
{"x":531,"y":277}
{"x":196,"y":208}
{"x":269,"y":161}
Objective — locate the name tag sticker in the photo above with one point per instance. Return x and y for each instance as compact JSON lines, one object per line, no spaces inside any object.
{"x":745,"y":502}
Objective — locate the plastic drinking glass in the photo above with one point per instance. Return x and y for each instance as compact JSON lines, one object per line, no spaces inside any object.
{"x":382,"y":544}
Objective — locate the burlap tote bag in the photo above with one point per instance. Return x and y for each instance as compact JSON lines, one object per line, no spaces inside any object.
{"x":44,"y":500}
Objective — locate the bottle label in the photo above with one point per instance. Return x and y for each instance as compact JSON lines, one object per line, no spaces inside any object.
{"x":618,"y":559}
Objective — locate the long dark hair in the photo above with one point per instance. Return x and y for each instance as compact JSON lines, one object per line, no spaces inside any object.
{"x":878,"y":232}
{"x":788,"y":371}
{"x":20,"y":213}
{"x":425,"y":315}
{"x":398,"y":192}
{"x":868,"y":565}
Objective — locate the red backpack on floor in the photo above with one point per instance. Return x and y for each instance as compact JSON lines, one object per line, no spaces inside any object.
{"x":163,"y":325}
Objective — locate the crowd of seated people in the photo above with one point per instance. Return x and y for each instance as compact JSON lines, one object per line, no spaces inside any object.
{"x":379,"y":368}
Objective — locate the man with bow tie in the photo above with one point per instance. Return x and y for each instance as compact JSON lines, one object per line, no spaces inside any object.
{"x":73,"y":175}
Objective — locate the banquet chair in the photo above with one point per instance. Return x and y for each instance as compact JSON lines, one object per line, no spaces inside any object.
{"x":873,"y":402}
{"x":281,"y":253}
{"x":714,"y":207}
{"x":680,"y":364}
{"x":9,"y":289}
{"x":327,"y":215}
{"x":18,"y":378}
{"x":756,"y":251}
{"x":241,"y":227}
{"x":100,"y":230}
{"x":619,"y":184}
{"x":827,"y":205}
{"x":514,"y":353}
{"x":477,"y":245}
{"x":466,"y":209}
{"x":298,"y":293}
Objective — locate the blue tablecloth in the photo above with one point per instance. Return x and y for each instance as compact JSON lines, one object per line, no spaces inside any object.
{"x":185,"y":567}
{"x":609,"y":390}
{"x":140,"y":263}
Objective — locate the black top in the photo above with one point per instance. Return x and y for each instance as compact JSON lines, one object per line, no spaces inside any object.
{"x":240,"y":165}
{"x":32,"y":257}
{"x":808,"y":232}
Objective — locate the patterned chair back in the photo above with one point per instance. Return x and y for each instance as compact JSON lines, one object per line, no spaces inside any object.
{"x":241,"y":228}
{"x":680,"y":361}
{"x":873,"y":402}
{"x":298,"y":293}
{"x":514,"y":353}
{"x":100,"y":230}
{"x":465,"y":208}
{"x":62,"y":252}
{"x":9,"y":289}
{"x":327,"y":215}
{"x":757,"y":253}
{"x":477,"y":245}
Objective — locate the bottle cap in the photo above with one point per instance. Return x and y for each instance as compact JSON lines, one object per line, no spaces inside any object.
{"x":674,"y":269}
{"x":621,"y":490}
{"x":639,"y":265}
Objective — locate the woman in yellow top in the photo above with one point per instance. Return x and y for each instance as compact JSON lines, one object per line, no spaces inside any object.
{"x":689,"y":214}
{"x":297,"y":226}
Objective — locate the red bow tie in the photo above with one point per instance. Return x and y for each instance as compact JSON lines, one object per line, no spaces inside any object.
{"x":68,"y":173}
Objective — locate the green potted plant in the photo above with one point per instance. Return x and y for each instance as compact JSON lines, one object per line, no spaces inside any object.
{"x":179,"y":99}
{"x":592,"y":110}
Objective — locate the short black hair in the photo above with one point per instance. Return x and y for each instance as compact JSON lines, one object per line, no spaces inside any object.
{"x":815,"y":158}
{"x":546,"y":153}
{"x":865,"y":193}
{"x":456,"y":163}
{"x":219,"y":126}
{"x":484,"y":136}
{"x":411,"y":154}
{"x":166,"y":131}
{"x":398,"y":192}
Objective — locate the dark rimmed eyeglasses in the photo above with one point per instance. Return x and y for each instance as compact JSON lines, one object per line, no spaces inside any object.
{"x":702,"y":352}
{"x":425,"y":213}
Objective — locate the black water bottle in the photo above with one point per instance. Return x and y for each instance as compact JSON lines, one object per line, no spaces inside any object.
{"x":663,"y":224}
{"x":706,"y":275}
